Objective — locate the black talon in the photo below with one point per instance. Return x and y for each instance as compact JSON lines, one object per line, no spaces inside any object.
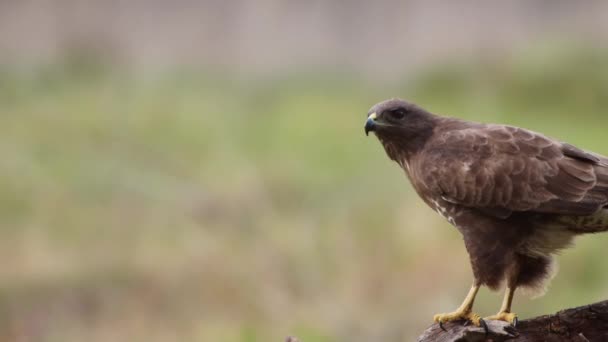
{"x":511,"y":330}
{"x":515,"y":322}
{"x":442,"y":327}
{"x":484,"y":325}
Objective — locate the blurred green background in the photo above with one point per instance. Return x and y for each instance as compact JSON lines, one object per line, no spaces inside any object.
{"x":219,"y":201}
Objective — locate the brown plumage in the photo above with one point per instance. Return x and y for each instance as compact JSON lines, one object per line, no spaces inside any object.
{"x":516,"y":196}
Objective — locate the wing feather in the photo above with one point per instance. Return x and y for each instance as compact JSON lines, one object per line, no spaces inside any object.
{"x":501,"y":169}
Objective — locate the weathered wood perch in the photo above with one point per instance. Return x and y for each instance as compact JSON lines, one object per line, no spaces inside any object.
{"x":585,"y":323}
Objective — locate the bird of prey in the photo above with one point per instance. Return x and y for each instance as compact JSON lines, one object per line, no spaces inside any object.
{"x":516,"y":196}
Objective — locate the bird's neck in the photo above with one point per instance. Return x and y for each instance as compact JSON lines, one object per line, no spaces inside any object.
{"x":402,"y":147}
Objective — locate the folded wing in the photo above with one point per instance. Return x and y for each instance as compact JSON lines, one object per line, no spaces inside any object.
{"x":501,"y":169}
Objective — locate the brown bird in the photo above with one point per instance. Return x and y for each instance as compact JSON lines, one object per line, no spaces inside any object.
{"x":516,"y":196}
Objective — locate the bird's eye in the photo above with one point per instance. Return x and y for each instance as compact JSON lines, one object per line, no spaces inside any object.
{"x":396,"y":114}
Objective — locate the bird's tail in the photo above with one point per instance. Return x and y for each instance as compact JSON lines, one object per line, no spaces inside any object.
{"x":597,"y":222}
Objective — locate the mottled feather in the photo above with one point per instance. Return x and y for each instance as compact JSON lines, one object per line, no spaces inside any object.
{"x":502,"y":169}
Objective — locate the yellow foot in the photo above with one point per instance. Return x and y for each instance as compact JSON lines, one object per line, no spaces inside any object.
{"x":459,"y":316}
{"x":508,"y":317}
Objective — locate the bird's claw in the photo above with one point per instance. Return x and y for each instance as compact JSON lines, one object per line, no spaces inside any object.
{"x":466,"y":316}
{"x":484,"y":325}
{"x":504,"y":316}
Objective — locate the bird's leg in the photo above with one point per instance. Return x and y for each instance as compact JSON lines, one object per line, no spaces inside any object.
{"x":464,"y":312}
{"x":505,"y":313}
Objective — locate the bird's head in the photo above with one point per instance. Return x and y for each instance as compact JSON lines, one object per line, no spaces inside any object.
{"x":402,"y":127}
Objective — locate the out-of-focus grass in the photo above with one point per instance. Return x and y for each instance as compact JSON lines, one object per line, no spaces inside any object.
{"x":205,"y":207}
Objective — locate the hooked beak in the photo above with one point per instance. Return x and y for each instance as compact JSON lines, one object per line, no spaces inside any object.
{"x":370,"y":124}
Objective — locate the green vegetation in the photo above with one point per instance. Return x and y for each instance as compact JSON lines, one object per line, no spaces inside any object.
{"x":204,"y":207}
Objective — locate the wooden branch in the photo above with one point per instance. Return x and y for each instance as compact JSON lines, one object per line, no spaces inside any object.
{"x":583,"y":324}
{"x":586,"y":323}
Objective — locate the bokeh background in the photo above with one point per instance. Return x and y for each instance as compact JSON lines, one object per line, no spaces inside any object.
{"x":197,"y":170}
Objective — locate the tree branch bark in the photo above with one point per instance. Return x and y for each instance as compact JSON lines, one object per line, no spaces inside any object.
{"x":585,"y":323}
